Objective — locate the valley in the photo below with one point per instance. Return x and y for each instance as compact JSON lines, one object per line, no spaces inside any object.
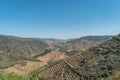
{"x":59,"y":40}
{"x":96,"y":63}
{"x":56,"y":60}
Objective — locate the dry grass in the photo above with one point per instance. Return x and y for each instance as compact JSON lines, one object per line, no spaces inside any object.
{"x":31,"y":66}
{"x":52,"y":56}
{"x":25,"y":70}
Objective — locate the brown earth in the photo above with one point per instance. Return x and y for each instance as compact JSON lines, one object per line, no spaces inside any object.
{"x":52,"y":56}
{"x":30,"y":66}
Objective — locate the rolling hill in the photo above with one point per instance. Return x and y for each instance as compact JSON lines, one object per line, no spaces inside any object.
{"x":28,"y":67}
{"x":83,"y":43}
{"x":96,"y":63}
{"x":15,"y":49}
{"x":26,"y":55}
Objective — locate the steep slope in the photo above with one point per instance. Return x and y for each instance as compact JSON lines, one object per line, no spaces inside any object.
{"x":84,"y":43}
{"x":27,"y":67}
{"x":14,"y":49}
{"x":96,"y":63}
{"x":21,"y":45}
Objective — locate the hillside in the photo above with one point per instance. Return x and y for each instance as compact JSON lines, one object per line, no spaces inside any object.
{"x":20,"y":55}
{"x":52,"y":56}
{"x":25,"y":46}
{"x":84,"y":43}
{"x":27,"y":67}
{"x":14,"y":49}
{"x":97,"y":63}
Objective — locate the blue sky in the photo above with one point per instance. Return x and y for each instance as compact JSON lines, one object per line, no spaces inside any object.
{"x":60,"y":19}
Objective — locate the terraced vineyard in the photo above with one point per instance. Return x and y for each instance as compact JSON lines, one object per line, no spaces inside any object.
{"x":96,"y":63}
{"x":27,"y":67}
{"x":63,"y":69}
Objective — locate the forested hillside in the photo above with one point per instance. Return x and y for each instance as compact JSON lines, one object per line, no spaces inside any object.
{"x":14,"y":49}
{"x":97,"y":63}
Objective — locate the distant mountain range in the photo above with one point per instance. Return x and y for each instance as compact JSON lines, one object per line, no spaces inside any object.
{"x":96,"y":63}
{"x":16,"y":49}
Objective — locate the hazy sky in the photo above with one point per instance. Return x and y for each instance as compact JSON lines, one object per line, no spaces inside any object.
{"x":59,"y":18}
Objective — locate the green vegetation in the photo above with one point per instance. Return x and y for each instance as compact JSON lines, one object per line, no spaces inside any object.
{"x":43,"y":53}
{"x":13,"y":76}
{"x":116,"y":76}
{"x":97,"y":63}
{"x":21,"y":45}
{"x":72,"y":52}
{"x":117,"y":37}
{"x":39,"y":78}
{"x":14,"y":50}
{"x":83,"y":43}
